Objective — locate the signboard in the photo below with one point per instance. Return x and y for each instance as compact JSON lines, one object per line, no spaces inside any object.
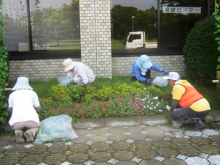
{"x":182,"y":10}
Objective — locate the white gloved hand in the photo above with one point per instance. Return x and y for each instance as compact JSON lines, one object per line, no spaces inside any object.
{"x":155,"y":98}
{"x":168,"y":107}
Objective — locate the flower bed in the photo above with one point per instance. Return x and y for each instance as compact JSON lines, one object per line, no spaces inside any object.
{"x":87,"y":102}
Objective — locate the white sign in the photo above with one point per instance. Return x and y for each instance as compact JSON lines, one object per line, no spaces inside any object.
{"x":182,"y":10}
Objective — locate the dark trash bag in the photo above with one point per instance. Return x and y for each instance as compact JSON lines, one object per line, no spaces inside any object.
{"x":56,"y":128}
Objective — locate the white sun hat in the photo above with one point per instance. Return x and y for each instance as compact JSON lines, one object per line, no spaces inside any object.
{"x":22,"y":84}
{"x":68,"y":64}
{"x":172,"y":76}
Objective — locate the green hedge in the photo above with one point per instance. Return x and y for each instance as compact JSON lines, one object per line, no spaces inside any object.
{"x":200,"y":51}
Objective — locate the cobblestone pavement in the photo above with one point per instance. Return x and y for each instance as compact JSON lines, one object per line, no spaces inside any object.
{"x":133,"y":145}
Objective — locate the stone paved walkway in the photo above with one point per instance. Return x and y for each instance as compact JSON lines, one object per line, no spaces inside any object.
{"x":132,"y":145}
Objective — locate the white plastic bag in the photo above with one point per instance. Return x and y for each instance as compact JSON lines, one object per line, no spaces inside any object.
{"x":64,"y":81}
{"x":56,"y":128}
{"x":160,"y":82}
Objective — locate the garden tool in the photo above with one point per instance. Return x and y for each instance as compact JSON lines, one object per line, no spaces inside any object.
{"x":7,"y":89}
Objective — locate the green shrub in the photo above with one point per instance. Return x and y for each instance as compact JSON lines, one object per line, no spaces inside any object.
{"x":200,"y":51}
{"x":3,"y":71}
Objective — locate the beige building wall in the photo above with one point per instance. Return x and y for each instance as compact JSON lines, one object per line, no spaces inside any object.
{"x":121,"y":66}
{"x":95,"y":33}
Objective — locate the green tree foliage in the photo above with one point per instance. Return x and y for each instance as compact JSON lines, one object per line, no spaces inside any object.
{"x":3,"y":71}
{"x":217,"y":17}
{"x":200,"y":51}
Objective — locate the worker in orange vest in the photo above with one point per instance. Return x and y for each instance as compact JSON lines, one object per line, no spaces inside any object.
{"x":193,"y":106}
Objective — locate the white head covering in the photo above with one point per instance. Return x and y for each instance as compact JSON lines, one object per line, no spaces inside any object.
{"x":144,"y":63}
{"x":172,"y":76}
{"x":68,"y":64}
{"x":22,"y":84}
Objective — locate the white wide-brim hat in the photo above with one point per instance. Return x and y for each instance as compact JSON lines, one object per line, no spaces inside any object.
{"x":22,"y":84}
{"x":68,"y":64}
{"x":172,"y":76}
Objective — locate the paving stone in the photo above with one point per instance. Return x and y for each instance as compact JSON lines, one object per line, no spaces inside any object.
{"x":196,"y":160}
{"x":82,"y":139}
{"x":146,"y":154}
{"x":200,"y":140}
{"x":55,"y":159}
{"x":121,"y":145}
{"x":162,"y":143}
{"x":123,"y":155}
{"x":189,"y":151}
{"x":167,"y":152}
{"x":173,"y":162}
{"x":209,"y":149}
{"x":137,"y":136}
{"x":38,"y":149}
{"x":81,"y":132}
{"x":101,"y":146}
{"x":10,"y":160}
{"x":101,"y":156}
{"x":118,"y":137}
{"x":210,"y":132}
{"x":193,"y":133}
{"x":2,"y":150}
{"x":78,"y":158}
{"x":150,"y":162}
{"x":141,"y":144}
{"x":79,"y":147}
{"x":136,"y":129}
{"x":116,"y":130}
{"x":215,"y":138}
{"x":215,"y":159}
{"x":32,"y":159}
{"x":181,"y":142}
{"x":58,"y":149}
{"x":101,"y":138}
{"x":126,"y":163}
{"x":15,"y":150}
{"x":98,"y":131}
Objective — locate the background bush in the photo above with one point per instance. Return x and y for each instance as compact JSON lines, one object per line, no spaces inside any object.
{"x":200,"y":51}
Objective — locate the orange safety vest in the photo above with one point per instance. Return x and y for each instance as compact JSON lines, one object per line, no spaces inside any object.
{"x":190,"y":96}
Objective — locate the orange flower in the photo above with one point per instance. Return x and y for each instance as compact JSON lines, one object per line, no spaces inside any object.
{"x":52,"y":111}
{"x":118,"y":113}
{"x":81,"y":103}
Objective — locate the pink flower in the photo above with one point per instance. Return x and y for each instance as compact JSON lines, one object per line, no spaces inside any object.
{"x":71,"y":111}
{"x":88,"y":112}
{"x":71,"y":105}
{"x":145,"y":111}
{"x":161,"y":110}
{"x":132,"y":111}
{"x":83,"y":118}
{"x":117,"y":107}
{"x":129,"y":103}
{"x":132,"y":93}
{"x":142,"y":113}
{"x":78,"y":106}
{"x":74,"y":127}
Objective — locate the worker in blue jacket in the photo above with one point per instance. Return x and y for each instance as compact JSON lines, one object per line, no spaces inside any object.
{"x":142,"y":67}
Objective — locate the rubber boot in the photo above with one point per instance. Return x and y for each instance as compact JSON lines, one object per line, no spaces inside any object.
{"x":198,"y":123}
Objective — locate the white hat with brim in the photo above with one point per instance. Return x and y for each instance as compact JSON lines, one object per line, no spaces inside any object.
{"x":68,"y":64}
{"x":22,"y":84}
{"x":172,"y":76}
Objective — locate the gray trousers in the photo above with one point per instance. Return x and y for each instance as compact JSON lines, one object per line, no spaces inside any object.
{"x":30,"y":125}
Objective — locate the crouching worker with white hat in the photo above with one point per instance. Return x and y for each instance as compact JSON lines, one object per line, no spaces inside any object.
{"x":80,"y":73}
{"x":23,"y":104}
{"x":193,"y":106}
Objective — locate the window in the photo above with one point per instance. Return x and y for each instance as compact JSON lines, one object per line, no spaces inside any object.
{"x":52,"y":25}
{"x":134,"y":24}
{"x":177,"y":18}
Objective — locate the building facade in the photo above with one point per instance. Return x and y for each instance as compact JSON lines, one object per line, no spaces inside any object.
{"x":104,"y":34}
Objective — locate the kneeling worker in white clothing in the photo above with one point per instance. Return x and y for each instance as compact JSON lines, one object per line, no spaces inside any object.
{"x":80,"y":73}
